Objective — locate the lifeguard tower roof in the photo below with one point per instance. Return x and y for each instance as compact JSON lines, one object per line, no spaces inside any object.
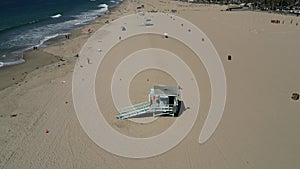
{"x":167,"y":90}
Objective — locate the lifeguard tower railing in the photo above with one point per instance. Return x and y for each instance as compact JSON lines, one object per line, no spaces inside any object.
{"x":143,"y":108}
{"x":162,"y":110}
{"x":134,"y":110}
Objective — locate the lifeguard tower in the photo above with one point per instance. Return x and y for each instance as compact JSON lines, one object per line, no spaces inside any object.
{"x":148,"y":22}
{"x":163,"y":100}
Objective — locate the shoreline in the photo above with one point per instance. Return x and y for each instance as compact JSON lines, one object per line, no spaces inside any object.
{"x":51,"y":39}
{"x":35,"y":59}
{"x":54,"y":52}
{"x":46,"y":30}
{"x":60,"y":36}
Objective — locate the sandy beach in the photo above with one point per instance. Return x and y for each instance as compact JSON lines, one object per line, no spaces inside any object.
{"x":39,"y":127}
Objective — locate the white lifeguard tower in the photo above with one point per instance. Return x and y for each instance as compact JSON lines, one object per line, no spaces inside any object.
{"x":163,"y":100}
{"x":148,"y":22}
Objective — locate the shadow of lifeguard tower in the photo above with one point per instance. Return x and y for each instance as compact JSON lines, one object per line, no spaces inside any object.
{"x":163,"y":101}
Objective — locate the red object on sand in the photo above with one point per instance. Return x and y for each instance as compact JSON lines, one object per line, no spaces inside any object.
{"x":147,"y":80}
{"x":47,"y":131}
{"x":89,"y":30}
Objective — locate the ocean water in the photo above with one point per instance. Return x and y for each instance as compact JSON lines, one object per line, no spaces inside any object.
{"x":28,"y":23}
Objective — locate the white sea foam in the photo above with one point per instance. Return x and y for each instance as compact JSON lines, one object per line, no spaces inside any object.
{"x":102,"y":10}
{"x":3,"y":64}
{"x":56,"y":16}
{"x":33,"y":36}
{"x":39,"y":35}
{"x":19,"y":53}
{"x":51,"y":37}
{"x":103,"y":6}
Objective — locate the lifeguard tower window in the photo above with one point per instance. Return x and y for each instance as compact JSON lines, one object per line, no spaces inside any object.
{"x":171,"y":100}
